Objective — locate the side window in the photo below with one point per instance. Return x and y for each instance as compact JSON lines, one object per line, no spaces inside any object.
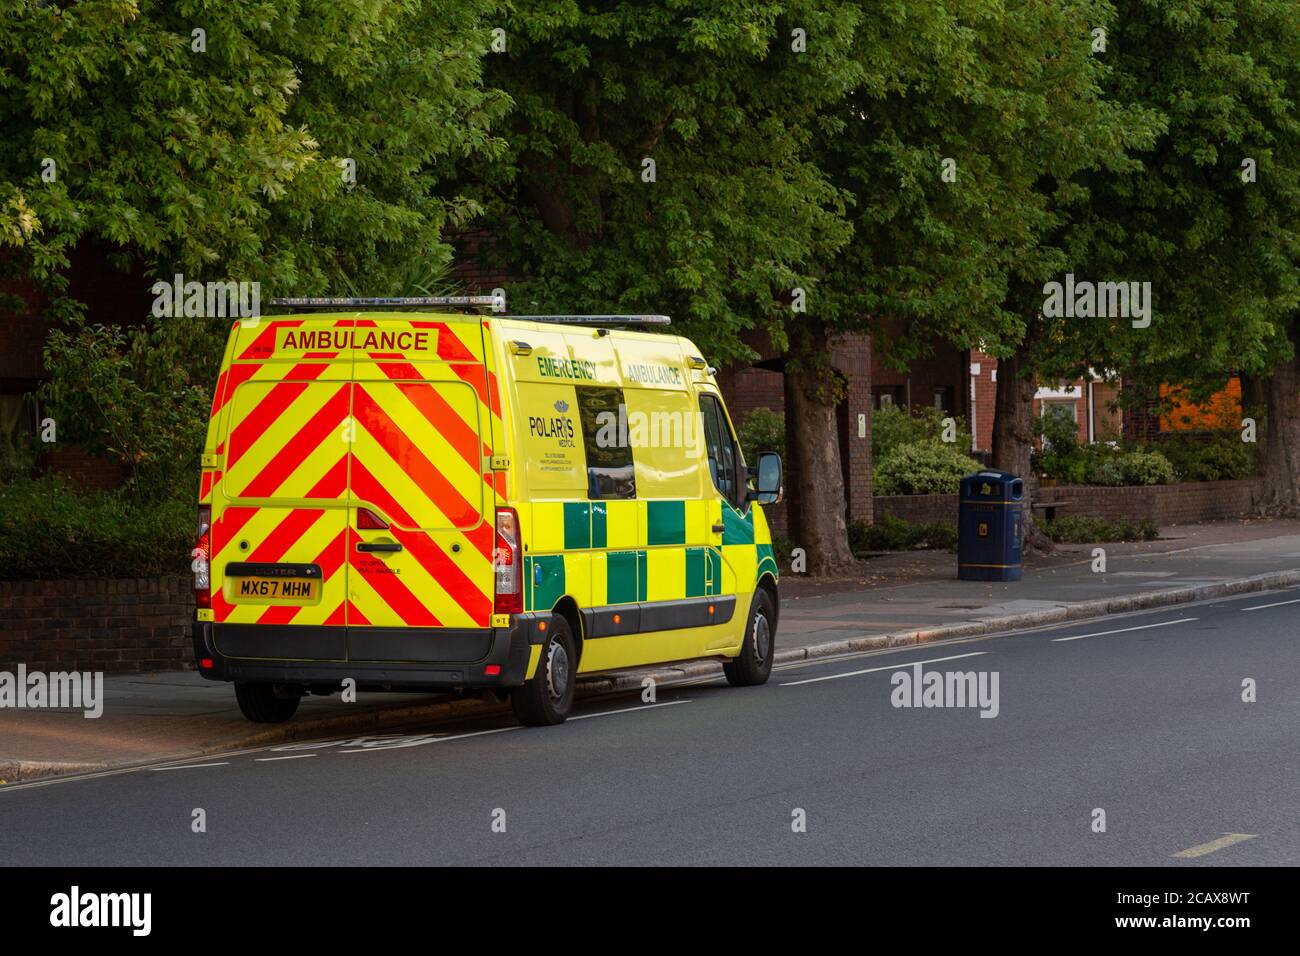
{"x":720,"y":448}
{"x":609,"y":454}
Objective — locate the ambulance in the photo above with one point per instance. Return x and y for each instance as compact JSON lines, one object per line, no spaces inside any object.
{"x":434,"y":500}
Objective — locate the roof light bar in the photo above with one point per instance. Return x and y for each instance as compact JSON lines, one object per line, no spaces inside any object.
{"x":595,"y":319}
{"x":331,"y":302}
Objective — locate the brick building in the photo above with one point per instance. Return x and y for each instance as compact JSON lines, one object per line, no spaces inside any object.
{"x":113,"y":298}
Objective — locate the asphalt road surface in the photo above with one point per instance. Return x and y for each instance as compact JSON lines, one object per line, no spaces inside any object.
{"x":1138,"y":716}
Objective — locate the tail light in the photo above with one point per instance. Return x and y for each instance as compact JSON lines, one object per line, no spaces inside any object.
{"x":506,"y":561}
{"x":367,"y":520}
{"x":202,"y":551}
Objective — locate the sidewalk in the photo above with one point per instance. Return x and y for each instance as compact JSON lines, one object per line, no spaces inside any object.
{"x":905,"y":598}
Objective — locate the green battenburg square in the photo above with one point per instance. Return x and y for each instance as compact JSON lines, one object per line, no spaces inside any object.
{"x":577,"y":525}
{"x":641,"y":579}
{"x":545,"y":581}
{"x":714,"y":557}
{"x":696,"y":572}
{"x":599,"y":524}
{"x":736,"y":528}
{"x":620,"y":577}
{"x":665,"y":522}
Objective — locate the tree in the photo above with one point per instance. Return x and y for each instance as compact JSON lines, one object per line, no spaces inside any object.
{"x":303,"y":145}
{"x":958,"y":146}
{"x":218,"y":140}
{"x":1215,"y":236}
{"x":658,"y":161}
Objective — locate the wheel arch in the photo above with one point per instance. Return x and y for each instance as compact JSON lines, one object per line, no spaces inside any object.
{"x":767,"y":582}
{"x":567,"y":608}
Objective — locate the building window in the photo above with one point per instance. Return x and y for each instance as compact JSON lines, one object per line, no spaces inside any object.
{"x":886,"y":395}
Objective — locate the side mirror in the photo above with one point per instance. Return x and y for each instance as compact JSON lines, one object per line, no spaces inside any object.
{"x":768,"y":482}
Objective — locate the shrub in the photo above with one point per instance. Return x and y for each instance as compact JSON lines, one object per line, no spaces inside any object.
{"x":1146,"y":468}
{"x":1209,"y":456}
{"x":50,"y":530}
{"x":1061,"y":457}
{"x":763,"y":430}
{"x":1081,"y":529}
{"x":1107,"y":471}
{"x":893,"y":427}
{"x":138,"y":395}
{"x":922,"y":468}
{"x":895,"y":534}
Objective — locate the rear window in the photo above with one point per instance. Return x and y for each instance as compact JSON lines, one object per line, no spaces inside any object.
{"x":285,"y":440}
{"x":416,"y":452}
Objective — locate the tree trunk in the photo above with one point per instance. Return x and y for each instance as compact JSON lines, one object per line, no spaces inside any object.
{"x":813,"y":440}
{"x":1013,"y":431}
{"x":1281,"y":494}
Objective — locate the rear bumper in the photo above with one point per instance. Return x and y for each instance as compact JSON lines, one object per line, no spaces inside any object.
{"x":469,"y":654}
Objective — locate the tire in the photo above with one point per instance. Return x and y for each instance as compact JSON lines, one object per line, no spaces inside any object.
{"x":754,"y":663}
{"x":262,"y":705}
{"x":548,"y":697}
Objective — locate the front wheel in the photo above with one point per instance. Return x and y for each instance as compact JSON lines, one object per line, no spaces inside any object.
{"x":548,"y":697}
{"x":262,"y":705}
{"x":754,"y":663}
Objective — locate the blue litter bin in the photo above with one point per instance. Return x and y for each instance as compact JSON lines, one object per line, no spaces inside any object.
{"x":990,"y":525}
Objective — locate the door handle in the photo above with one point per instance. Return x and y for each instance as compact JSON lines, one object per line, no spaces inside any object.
{"x":378,"y":546}
{"x":719,"y":528}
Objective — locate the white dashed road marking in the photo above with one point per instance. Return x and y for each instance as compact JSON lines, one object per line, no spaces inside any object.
{"x":891,"y":667}
{"x":1122,"y":630}
{"x":287,"y":757}
{"x":1260,"y":607}
{"x":1204,"y":849}
{"x":193,"y":766}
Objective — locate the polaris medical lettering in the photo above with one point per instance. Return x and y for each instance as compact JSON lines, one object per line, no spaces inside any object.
{"x":549,"y":367}
{"x":645,"y":374}
{"x":366,"y":340}
{"x":76,"y":909}
{"x":559,"y":427}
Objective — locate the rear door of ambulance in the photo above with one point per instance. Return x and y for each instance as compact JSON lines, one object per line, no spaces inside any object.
{"x":421,"y":510}
{"x":279,"y":530}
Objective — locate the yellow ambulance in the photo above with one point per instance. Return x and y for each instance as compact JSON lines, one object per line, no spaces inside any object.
{"x":434,"y":500}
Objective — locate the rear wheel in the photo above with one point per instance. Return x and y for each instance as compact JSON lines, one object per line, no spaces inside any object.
{"x":262,"y":705}
{"x":548,"y":697}
{"x":754,"y":663}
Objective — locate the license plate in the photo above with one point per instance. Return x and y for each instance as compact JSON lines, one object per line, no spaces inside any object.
{"x":275,"y":590}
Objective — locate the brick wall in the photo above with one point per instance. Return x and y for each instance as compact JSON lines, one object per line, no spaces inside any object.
{"x":103,"y":625}
{"x":1186,"y":503}
{"x":986,"y":395}
{"x":852,"y":356}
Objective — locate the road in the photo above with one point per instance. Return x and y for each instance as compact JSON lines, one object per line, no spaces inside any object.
{"x":1140,"y":716}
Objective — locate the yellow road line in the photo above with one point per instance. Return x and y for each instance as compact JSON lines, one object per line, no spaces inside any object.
{"x":1203,"y":849}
